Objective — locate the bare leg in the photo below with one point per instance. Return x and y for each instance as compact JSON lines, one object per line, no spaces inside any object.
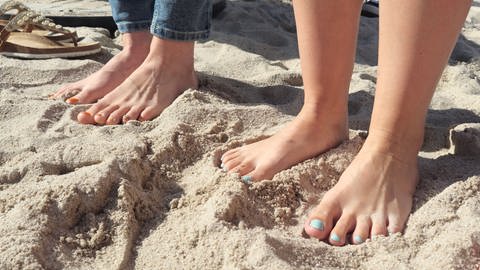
{"x":166,"y":72}
{"x":374,"y":195}
{"x":135,"y":49}
{"x":327,"y":36}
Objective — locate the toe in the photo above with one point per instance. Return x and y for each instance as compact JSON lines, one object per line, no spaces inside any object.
{"x":132,"y":114}
{"x":63,"y":90}
{"x":247,"y":178}
{"x":260,"y":173}
{"x":102,"y":116}
{"x":362,"y":230}
{"x":99,"y":106}
{"x":344,"y":225}
{"x":85,"y":118}
{"x":379,"y":225}
{"x":60,"y":91}
{"x":73,"y":100}
{"x":243,"y":168}
{"x":320,"y":222}
{"x":233,"y":163}
{"x":149,"y":113}
{"x":395,"y":225}
{"x":87,"y":96}
{"x":229,"y":154}
{"x":116,"y":116}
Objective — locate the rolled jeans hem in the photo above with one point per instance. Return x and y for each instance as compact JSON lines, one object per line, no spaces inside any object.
{"x":128,"y":27}
{"x":166,"y":33}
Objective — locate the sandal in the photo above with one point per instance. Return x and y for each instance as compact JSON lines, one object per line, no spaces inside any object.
{"x":15,"y":5}
{"x":29,"y":45}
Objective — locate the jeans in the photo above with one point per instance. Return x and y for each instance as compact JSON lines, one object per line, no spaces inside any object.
{"x":181,"y":20}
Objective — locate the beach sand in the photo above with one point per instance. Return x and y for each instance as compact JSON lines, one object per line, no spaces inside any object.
{"x":151,"y":196}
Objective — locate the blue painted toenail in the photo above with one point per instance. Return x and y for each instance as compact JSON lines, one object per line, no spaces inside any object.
{"x":317,"y":224}
{"x":357,"y":239}
{"x":335,"y":237}
{"x":247,"y":179}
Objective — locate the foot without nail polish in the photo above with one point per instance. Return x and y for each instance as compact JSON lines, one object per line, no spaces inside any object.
{"x":317,"y":224}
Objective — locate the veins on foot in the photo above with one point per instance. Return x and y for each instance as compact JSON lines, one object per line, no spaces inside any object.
{"x":142,"y":96}
{"x":373,"y":197}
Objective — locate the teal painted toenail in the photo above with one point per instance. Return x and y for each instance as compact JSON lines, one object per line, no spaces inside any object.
{"x":317,"y":224}
{"x":358,"y":239}
{"x":247,"y":179}
{"x":335,"y":237}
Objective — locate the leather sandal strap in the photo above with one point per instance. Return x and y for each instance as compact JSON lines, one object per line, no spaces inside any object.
{"x":4,"y":34}
{"x":12,"y":5}
{"x":25,"y":19}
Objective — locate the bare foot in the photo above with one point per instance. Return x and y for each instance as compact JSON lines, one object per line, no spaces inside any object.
{"x":373,"y":196}
{"x":163,"y":76}
{"x":100,"y":83}
{"x":310,"y":134}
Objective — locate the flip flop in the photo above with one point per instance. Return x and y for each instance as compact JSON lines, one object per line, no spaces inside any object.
{"x":45,"y":33}
{"x":15,"y":5}
{"x":32,"y":46}
{"x":100,"y":19}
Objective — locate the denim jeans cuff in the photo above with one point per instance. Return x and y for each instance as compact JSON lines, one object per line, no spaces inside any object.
{"x":166,"y":33}
{"x":137,"y":26}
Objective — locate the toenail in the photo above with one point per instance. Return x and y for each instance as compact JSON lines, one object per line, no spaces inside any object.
{"x":72,"y":100}
{"x":317,"y":224}
{"x":357,"y":239}
{"x":247,"y":179}
{"x":87,"y":113}
{"x":335,"y":237}
{"x":224,"y":168}
{"x":126,"y":118}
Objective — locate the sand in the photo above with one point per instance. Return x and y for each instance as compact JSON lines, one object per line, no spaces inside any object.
{"x":151,"y":196}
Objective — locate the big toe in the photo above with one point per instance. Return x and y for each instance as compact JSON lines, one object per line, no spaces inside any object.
{"x":85,"y":118}
{"x":320,"y":222}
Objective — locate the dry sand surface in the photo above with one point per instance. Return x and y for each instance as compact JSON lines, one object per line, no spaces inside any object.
{"x":151,"y":196}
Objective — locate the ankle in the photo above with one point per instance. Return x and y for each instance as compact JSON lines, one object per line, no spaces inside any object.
{"x":175,"y":54}
{"x":323,"y":116}
{"x":136,"y":41}
{"x":401,"y":147}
